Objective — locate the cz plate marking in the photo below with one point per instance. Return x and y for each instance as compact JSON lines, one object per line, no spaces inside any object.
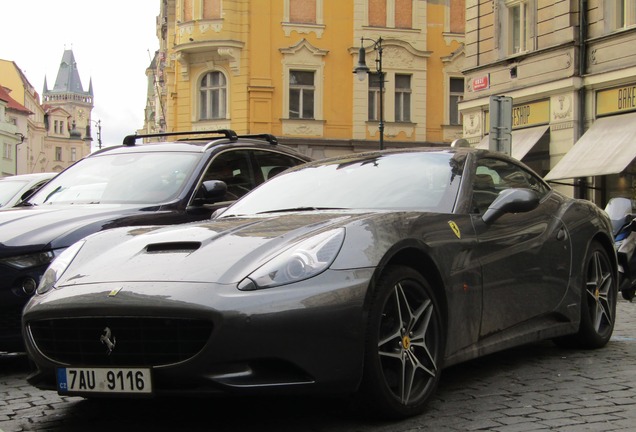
{"x":104,"y":380}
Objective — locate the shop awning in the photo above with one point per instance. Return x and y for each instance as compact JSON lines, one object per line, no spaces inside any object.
{"x":607,"y":147}
{"x":522,"y":140}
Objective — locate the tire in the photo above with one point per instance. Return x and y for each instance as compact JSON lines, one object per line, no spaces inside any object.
{"x":404,"y":345}
{"x":598,"y":302}
{"x":629,"y":294}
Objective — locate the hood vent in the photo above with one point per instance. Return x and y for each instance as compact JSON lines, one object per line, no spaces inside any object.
{"x":183,"y":247}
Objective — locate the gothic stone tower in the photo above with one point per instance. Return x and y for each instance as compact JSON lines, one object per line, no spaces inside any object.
{"x":68,"y":99}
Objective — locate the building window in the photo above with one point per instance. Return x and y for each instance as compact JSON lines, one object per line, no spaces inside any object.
{"x":621,"y":13}
{"x":212,"y":9}
{"x":212,"y":96}
{"x":456,"y":95}
{"x":374,"y":96}
{"x":301,"y":94}
{"x":404,"y":14}
{"x":377,"y":13}
{"x":402,"y":98}
{"x":517,"y":25}
{"x":73,"y":154}
{"x":58,"y":153}
{"x":188,"y":10}
{"x":6,"y":149}
{"x":302,"y":11}
{"x":390,"y":13}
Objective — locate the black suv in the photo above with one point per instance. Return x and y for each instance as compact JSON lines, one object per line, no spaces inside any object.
{"x":128,"y":185}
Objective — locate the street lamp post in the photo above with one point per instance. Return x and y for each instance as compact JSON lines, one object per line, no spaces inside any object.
{"x":99,"y":132}
{"x":22,"y":137}
{"x":362,"y":70}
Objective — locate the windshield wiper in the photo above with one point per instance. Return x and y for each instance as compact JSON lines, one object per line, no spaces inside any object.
{"x":299,"y":209}
{"x":25,"y":204}
{"x":53,"y":192}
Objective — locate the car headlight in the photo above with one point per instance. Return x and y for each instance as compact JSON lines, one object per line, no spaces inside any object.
{"x":31,"y":260}
{"x":58,"y":267}
{"x":304,"y":260}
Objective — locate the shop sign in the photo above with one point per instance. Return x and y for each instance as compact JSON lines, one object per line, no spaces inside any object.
{"x":528,"y":114}
{"x":614,"y":100}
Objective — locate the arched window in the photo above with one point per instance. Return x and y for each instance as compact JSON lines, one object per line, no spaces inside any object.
{"x":212,"y":96}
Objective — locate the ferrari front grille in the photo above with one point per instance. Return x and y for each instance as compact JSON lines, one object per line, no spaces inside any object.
{"x":120,"y":341}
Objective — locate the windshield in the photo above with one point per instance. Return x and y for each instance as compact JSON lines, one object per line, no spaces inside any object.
{"x":424,"y":181}
{"x":142,"y":178}
{"x":8,"y":189}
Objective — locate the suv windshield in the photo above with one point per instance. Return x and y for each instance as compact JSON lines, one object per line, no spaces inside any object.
{"x":120,"y":179}
{"x":8,"y":189}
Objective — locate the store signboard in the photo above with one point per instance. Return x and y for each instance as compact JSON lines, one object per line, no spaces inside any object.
{"x":616,"y":100}
{"x":527,"y":114}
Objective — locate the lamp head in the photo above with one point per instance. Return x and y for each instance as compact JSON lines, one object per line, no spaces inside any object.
{"x":361,"y":69}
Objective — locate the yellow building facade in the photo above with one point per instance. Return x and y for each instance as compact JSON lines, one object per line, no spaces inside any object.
{"x":285,"y":67}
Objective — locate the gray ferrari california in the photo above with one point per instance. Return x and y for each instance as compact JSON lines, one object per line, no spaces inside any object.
{"x":366,"y":275}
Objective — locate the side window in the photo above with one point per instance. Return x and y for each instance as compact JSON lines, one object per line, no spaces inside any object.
{"x":232,"y":167}
{"x":495,"y":175}
{"x":272,"y":163}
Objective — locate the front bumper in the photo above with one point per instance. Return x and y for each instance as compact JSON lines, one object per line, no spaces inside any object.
{"x":13,"y":297}
{"x":303,"y":337}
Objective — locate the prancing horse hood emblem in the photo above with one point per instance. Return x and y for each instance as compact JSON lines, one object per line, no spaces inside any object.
{"x":105,"y":339}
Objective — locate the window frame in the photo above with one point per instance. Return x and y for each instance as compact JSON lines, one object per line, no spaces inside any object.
{"x":504,"y":40}
{"x":390,"y":15}
{"x":517,"y":29}
{"x":303,"y":90}
{"x":374,"y":96}
{"x":6,"y":151}
{"x":403,"y":99}
{"x":453,"y":105}
{"x":206,"y":105}
{"x":621,"y":14}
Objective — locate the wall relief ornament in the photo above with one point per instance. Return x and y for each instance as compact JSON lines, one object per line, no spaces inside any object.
{"x":472,"y":123}
{"x":561,"y":107}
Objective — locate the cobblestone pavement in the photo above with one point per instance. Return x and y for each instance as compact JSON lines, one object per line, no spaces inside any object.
{"x":537,"y":387}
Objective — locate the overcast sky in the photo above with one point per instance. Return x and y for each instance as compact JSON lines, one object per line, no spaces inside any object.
{"x":113,"y":42}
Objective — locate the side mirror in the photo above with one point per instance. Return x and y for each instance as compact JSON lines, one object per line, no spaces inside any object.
{"x":511,"y":201}
{"x":213,"y":190}
{"x":218,"y":212}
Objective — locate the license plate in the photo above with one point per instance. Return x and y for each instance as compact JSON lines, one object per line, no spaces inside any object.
{"x":104,"y":380}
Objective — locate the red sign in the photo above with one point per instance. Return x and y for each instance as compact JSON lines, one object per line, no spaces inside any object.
{"x":481,"y":83}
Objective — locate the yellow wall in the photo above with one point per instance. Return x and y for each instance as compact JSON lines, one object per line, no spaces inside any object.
{"x":10,"y":78}
{"x":255,"y":46}
{"x":439,"y":16}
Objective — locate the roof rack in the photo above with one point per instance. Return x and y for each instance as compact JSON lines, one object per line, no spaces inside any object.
{"x":267,"y":137}
{"x":129,"y":140}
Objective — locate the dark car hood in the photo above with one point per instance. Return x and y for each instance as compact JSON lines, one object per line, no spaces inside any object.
{"x":29,"y":229}
{"x":221,"y":251}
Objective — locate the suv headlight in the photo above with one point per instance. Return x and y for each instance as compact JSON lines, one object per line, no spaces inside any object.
{"x":306,"y":259}
{"x":58,"y":267}
{"x":31,"y":260}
